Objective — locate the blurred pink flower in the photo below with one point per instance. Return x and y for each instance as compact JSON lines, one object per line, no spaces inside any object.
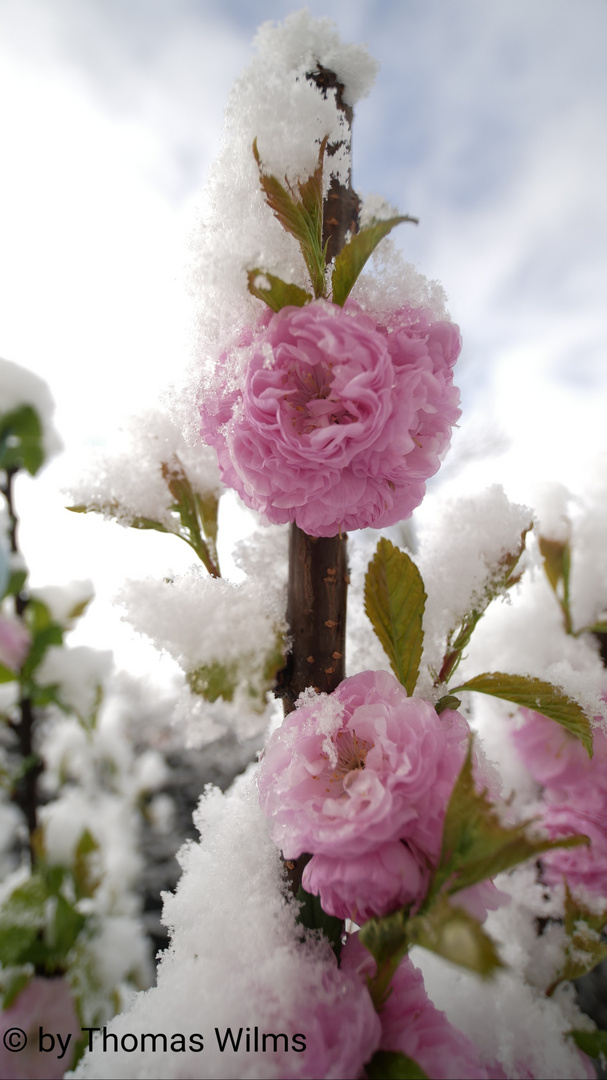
{"x":585,"y":812}
{"x":46,"y":1004}
{"x":557,"y":759}
{"x":412,"y":1025}
{"x":341,"y":1026}
{"x":338,"y":422}
{"x":350,"y":775}
{"x":15,"y":641}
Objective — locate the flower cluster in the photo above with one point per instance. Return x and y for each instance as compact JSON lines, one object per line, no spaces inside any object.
{"x":575,"y":798}
{"x":360,"y":779}
{"x":338,"y":421}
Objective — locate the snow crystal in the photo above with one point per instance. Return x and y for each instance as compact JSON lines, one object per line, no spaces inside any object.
{"x":21,"y":387}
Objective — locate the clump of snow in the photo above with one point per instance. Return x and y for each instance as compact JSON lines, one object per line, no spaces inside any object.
{"x":65,"y":602}
{"x":224,"y":970}
{"x":551,"y":503}
{"x":390,"y":283}
{"x":20,"y":387}
{"x":510,"y":1022}
{"x":79,"y":674}
{"x":589,"y":548}
{"x":237,"y":230}
{"x":200,"y":722}
{"x":129,"y":482}
{"x":463,"y":544}
{"x":200,"y":620}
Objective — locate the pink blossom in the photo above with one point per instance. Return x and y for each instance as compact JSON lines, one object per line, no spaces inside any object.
{"x":338,"y":422}
{"x":555,"y":758}
{"x":46,"y":1004}
{"x":354,"y":771}
{"x":582,"y":866}
{"x":341,"y":1027}
{"x":15,"y":641}
{"x":412,"y":1025}
{"x":374,"y":884}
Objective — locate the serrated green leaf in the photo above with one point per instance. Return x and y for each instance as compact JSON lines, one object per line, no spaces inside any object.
{"x":537,"y":695}
{"x":301,"y":217}
{"x":353,"y":256}
{"x":475,"y":844}
{"x":312,"y":916}
{"x":585,"y":947}
{"x":392,"y":1065}
{"x":450,"y":932}
{"x":394,"y":602}
{"x":279,"y":294}
{"x":21,"y":440}
{"x":593,"y":1043}
{"x":214,"y":681}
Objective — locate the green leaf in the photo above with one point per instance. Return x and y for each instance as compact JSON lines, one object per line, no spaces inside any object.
{"x":279,"y":294}
{"x":585,"y":948}
{"x":50,"y":635}
{"x":16,"y":582}
{"x":312,"y":916}
{"x":353,"y":256}
{"x":387,"y":941}
{"x":394,"y":601}
{"x":392,"y":1065}
{"x":593,"y":1043}
{"x":300,"y":216}
{"x":190,"y":507}
{"x":21,"y":442}
{"x":6,"y":675}
{"x":214,"y":681}
{"x":455,"y":935}
{"x":553,"y":554}
{"x":15,"y":983}
{"x":448,"y":701}
{"x":475,"y":844}
{"x":537,"y":695}
{"x":85,"y":879}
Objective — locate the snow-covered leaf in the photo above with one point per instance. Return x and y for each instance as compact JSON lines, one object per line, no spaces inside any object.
{"x":353,"y":256}
{"x":278,"y":293}
{"x":537,"y":695}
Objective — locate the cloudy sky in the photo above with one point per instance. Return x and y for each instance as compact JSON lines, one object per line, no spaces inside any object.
{"x":487,"y":122}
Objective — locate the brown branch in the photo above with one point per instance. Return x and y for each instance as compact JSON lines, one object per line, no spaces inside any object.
{"x":318,"y":569}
